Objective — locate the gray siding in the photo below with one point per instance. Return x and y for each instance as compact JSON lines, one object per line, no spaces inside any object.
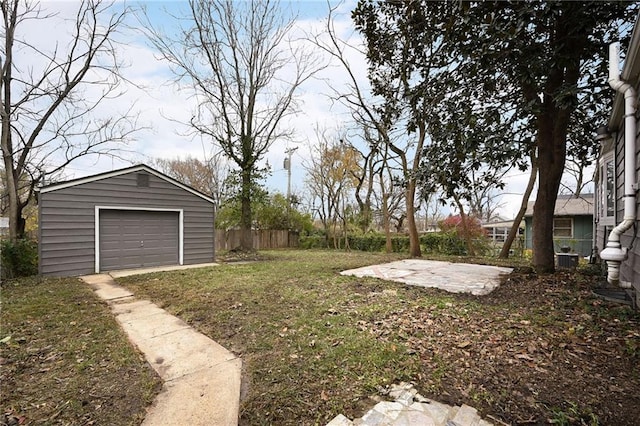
{"x":630,"y":269}
{"x":67,"y":216}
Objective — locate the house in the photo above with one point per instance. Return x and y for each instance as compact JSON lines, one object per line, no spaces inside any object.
{"x":616,"y":218}
{"x":498,"y":230}
{"x":572,"y":224}
{"x":125,"y":219}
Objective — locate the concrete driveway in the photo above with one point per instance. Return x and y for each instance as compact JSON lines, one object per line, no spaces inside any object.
{"x":453,"y":277}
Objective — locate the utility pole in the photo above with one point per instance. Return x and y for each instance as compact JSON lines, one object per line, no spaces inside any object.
{"x":287,"y":166}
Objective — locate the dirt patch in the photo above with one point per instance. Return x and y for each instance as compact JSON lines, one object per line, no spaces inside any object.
{"x":537,"y":350}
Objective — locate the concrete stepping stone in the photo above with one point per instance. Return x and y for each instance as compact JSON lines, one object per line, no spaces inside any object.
{"x":412,"y":409}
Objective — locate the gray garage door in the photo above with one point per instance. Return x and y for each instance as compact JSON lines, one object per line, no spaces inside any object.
{"x":135,"y":239}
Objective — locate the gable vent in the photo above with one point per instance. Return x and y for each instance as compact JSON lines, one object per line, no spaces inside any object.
{"x":142,"y":180}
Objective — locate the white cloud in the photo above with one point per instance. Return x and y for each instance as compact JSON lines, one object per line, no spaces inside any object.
{"x":163,"y":106}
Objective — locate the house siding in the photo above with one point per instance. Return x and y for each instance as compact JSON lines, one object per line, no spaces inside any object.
{"x":67,"y":220}
{"x":629,"y":269}
{"x":581,"y":242}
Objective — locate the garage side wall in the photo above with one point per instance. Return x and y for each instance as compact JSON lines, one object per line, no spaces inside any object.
{"x":67,"y":220}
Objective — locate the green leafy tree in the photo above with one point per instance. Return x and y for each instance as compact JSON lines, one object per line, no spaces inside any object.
{"x":271,"y":211}
{"x":542,"y":63}
{"x":276,"y":213}
{"x":229,"y":214}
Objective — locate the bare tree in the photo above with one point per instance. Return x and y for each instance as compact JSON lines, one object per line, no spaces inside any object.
{"x":515,"y":228}
{"x":244,"y":72}
{"x":577,"y":168}
{"x":375,"y":119}
{"x":484,"y":200}
{"x":49,"y":97}
{"x":330,"y":180}
{"x":206,"y":176}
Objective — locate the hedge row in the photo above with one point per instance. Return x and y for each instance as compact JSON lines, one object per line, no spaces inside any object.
{"x":437,"y":242}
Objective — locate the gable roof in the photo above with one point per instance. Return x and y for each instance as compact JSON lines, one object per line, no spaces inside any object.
{"x":120,"y":172}
{"x":568,"y":205}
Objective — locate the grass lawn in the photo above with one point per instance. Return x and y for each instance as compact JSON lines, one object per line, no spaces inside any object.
{"x":315,"y":344}
{"x":539,"y":349}
{"x":64,"y":359}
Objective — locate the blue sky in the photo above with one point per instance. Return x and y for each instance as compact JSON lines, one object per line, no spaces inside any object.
{"x":163,"y":106}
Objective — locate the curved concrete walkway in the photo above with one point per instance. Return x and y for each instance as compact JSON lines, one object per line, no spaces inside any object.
{"x":201,"y":378}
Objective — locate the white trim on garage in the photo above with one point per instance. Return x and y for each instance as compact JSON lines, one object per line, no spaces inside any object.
{"x":149,"y":209}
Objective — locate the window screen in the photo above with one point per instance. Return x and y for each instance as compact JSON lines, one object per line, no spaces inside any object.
{"x":563,"y":227}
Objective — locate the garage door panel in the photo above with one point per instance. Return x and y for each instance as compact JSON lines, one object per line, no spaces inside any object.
{"x":133,"y":239}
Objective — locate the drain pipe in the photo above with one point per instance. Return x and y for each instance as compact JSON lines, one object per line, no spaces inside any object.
{"x":614,"y":253}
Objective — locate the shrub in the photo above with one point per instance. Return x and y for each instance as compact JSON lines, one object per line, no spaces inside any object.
{"x":377,"y":243}
{"x":448,"y":243}
{"x":313,"y":241}
{"x":371,"y":243}
{"x":19,"y":259}
{"x":474,"y":232}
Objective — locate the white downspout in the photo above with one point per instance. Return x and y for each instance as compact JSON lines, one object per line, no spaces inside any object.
{"x":614,"y":253}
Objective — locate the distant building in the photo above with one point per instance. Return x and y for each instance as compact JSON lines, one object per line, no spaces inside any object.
{"x":572,"y":224}
{"x":498,"y":230}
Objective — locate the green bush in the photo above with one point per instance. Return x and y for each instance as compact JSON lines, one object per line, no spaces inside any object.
{"x":371,"y":243}
{"x":313,"y":242}
{"x":19,"y":259}
{"x":448,"y":243}
{"x":443,"y":243}
{"x":377,"y":243}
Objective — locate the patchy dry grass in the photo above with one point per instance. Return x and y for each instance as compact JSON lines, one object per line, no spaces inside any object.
{"x":64,"y":360}
{"x":539,"y":349}
{"x":315,"y":344}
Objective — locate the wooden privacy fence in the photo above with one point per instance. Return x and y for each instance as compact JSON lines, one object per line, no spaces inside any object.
{"x":262,"y":240}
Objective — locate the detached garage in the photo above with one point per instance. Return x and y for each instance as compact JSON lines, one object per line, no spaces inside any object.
{"x":130,"y":218}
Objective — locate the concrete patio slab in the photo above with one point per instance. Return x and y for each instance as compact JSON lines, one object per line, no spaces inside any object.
{"x":448,"y":276}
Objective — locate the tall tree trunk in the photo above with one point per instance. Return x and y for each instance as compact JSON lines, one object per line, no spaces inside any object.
{"x":386,"y":217}
{"x":14,"y":206}
{"x":345,"y":231}
{"x":579,"y":180}
{"x":551,"y":155}
{"x":11,"y":180}
{"x":246,"y":236}
{"x":414,"y":238}
{"x":515,"y":228}
{"x":465,"y":227}
{"x":552,"y":124}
